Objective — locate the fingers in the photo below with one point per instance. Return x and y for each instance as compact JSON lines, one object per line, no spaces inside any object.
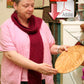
{"x":64,"y":48}
{"x":48,"y":70}
{"x":52,"y":71}
{"x":47,"y":65}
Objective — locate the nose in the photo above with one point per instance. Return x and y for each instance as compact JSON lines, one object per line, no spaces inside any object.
{"x":31,"y":8}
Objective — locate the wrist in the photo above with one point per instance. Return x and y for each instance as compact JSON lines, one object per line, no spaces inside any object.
{"x":58,"y":49}
{"x":36,"y":67}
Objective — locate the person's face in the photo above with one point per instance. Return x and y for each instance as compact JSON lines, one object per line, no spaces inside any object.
{"x":25,"y":8}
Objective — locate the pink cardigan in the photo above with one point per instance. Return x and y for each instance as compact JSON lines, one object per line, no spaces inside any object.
{"x":12,"y":38}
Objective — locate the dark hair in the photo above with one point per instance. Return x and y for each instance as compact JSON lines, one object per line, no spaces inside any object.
{"x":16,"y":1}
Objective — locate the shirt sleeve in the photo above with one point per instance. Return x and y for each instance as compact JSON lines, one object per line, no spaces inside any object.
{"x":49,"y":35}
{"x":6,"y":43}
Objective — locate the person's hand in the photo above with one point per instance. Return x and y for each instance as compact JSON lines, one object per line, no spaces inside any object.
{"x":46,"y":69}
{"x":57,"y":49}
{"x":62,"y":48}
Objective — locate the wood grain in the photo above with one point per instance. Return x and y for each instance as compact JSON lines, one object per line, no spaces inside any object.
{"x":70,"y":60}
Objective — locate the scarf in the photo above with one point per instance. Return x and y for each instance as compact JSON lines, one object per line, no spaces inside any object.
{"x":36,"y":44}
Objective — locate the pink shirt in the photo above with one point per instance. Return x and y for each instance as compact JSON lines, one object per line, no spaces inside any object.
{"x":12,"y":38}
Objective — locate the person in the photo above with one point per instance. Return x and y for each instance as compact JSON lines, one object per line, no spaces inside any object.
{"x":27,"y":44}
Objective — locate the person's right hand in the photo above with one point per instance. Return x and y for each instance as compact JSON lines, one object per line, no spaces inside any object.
{"x":46,"y":69}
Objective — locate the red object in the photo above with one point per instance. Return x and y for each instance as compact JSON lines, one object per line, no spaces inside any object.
{"x":83,"y":74}
{"x":57,"y":0}
{"x":78,"y":43}
{"x":54,"y":12}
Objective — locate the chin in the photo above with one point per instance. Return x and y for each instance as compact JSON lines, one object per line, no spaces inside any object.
{"x":29,"y":16}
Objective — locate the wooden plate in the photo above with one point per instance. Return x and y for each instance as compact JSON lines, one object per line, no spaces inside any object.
{"x":70,"y":60}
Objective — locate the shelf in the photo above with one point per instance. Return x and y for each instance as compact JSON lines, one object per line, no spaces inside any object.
{"x":79,"y":2}
{"x":71,"y":22}
{"x":80,"y":10}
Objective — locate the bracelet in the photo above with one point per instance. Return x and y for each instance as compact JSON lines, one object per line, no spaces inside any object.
{"x":58,"y":49}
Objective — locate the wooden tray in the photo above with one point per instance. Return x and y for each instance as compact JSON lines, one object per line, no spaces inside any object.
{"x":70,"y":60}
